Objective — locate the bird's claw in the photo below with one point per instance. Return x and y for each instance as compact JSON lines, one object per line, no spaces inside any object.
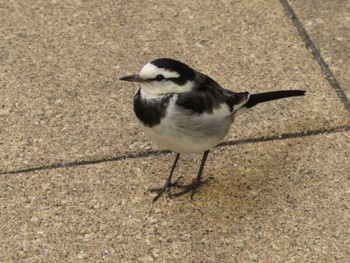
{"x":192,"y":187}
{"x":164,"y":188}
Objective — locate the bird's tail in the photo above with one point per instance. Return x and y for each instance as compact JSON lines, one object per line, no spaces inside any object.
{"x":272,"y":95}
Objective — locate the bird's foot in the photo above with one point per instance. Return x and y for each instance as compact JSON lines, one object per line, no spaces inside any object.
{"x":166,"y":187}
{"x":192,"y":187}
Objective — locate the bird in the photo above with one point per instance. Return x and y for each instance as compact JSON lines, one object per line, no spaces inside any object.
{"x":186,"y":111}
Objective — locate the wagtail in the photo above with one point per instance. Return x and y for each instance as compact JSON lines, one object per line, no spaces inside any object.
{"x":186,"y":111}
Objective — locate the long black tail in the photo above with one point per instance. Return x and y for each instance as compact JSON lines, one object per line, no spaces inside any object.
{"x":272,"y":95}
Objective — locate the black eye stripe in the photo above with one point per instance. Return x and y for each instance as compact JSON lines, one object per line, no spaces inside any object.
{"x":156,"y":79}
{"x":159,"y":78}
{"x":179,"y":80}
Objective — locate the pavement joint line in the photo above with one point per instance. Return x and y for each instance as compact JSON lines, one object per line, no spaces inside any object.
{"x":285,"y":136}
{"x":316,"y":53}
{"x":154,"y":153}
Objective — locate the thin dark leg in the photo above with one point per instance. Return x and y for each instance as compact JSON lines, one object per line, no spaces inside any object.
{"x":194,"y":185}
{"x":204,"y":159}
{"x":168,"y":181}
{"x":168,"y":184}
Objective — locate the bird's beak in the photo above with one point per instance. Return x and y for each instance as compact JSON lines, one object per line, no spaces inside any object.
{"x":132,"y":78}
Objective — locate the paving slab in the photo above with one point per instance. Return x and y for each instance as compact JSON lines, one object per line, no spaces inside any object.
{"x":328,"y":24}
{"x":61,"y":100}
{"x":277,"y":201}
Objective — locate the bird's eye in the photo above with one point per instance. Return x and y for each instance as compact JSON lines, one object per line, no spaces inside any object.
{"x":159,"y":78}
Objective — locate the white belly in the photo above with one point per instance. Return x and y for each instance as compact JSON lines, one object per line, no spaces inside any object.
{"x":190,"y":133}
{"x":182,"y":143}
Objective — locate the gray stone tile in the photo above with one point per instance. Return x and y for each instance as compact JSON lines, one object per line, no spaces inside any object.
{"x":279,"y":201}
{"x":328,"y":24}
{"x":61,"y":100}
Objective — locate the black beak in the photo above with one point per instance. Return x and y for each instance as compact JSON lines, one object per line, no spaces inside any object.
{"x":132,"y":78}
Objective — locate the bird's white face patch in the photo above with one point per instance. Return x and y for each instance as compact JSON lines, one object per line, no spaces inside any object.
{"x":152,"y":88}
{"x":150,"y":71}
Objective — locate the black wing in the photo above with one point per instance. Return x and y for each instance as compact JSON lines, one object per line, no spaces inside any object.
{"x":207,"y":96}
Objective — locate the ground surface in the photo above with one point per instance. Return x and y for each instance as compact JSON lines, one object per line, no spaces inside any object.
{"x":75,"y":166}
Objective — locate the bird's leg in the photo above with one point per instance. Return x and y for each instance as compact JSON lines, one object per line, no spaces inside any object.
{"x":197,"y":182}
{"x":168,"y":184}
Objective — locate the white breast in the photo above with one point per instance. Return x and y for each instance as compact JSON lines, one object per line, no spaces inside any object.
{"x":184,"y":132}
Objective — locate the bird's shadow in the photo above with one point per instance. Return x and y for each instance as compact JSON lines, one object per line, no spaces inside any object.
{"x":244,"y":181}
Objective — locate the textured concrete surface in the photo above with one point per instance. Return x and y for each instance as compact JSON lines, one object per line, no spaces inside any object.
{"x":60,"y":61}
{"x":280,"y":201}
{"x":61,"y":103}
{"x":328,"y":23}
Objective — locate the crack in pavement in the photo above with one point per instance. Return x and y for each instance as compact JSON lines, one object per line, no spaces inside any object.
{"x":163,"y":152}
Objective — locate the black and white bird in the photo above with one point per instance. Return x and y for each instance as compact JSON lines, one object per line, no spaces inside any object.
{"x":186,"y":111}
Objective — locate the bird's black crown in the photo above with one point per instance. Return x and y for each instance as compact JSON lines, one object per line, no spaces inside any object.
{"x":185,"y":72}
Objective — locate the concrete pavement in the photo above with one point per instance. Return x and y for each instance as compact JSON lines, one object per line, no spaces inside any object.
{"x":74,"y":163}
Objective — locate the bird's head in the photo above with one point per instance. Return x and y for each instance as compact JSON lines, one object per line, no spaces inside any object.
{"x":163,"y":76}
